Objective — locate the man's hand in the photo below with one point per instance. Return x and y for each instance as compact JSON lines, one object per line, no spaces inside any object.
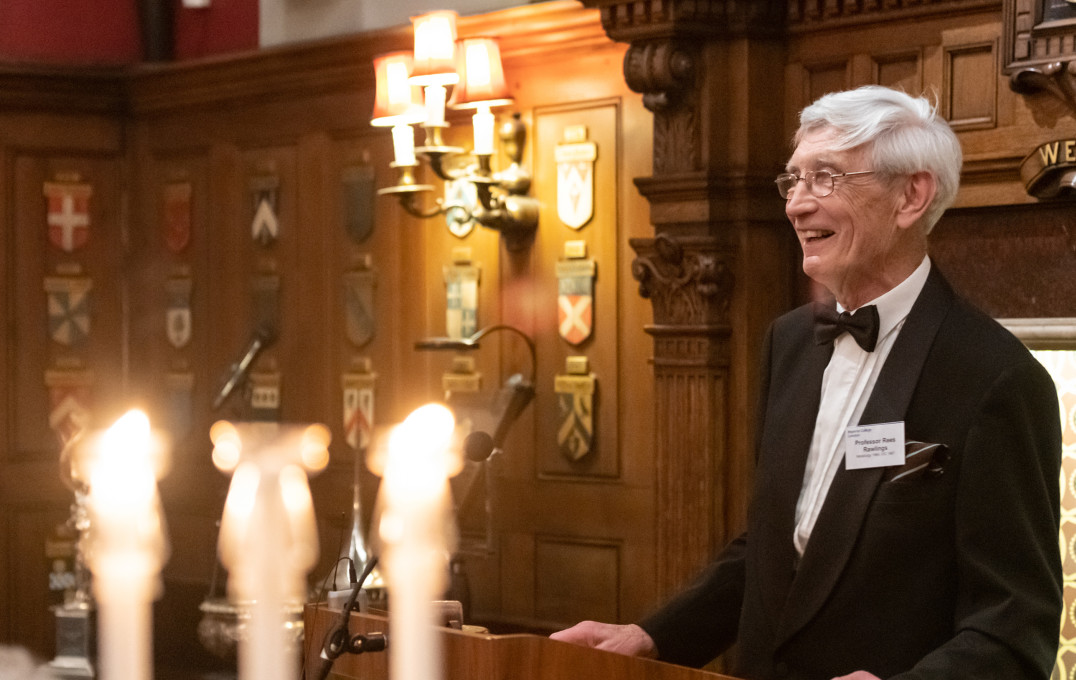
{"x":629,"y":639}
{"x":859,"y":675}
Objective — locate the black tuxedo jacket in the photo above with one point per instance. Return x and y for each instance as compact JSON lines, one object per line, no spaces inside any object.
{"x":951,"y":571}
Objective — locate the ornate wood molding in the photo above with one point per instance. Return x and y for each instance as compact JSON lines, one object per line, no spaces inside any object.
{"x":703,"y":204}
{"x":688,"y":279}
{"x":1039,"y":49}
{"x":630,"y":20}
{"x":808,"y":15}
{"x":1056,"y":78}
{"x":661,"y":70}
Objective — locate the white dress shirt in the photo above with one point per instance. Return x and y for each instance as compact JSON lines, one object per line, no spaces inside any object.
{"x":846,"y":387}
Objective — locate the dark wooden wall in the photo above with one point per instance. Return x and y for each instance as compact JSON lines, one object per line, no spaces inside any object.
{"x":690,"y":104}
{"x":573,"y":538}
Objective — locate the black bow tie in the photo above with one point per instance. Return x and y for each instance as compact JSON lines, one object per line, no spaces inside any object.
{"x":862,"y":325}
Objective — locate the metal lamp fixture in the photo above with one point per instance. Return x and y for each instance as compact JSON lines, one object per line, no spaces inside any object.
{"x":413,"y":88}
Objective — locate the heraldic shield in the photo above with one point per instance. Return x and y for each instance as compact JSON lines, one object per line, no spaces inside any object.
{"x":178,"y":315}
{"x":358,"y":399}
{"x":359,"y":320}
{"x":575,"y":406}
{"x":68,"y":218}
{"x":575,"y":299}
{"x":176,"y":216}
{"x":69,"y":309}
{"x":575,"y":178}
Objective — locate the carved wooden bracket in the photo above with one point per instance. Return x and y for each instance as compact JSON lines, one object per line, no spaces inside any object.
{"x":1057,"y":78}
{"x":689,"y":281}
{"x":660,"y":71}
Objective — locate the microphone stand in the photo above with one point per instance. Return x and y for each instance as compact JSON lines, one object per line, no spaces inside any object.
{"x":339,"y":640}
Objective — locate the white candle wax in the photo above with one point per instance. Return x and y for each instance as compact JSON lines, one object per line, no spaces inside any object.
{"x":128,"y":546}
{"x":268,"y":536}
{"x":403,"y":144}
{"x":124,"y":587}
{"x":435,"y":104}
{"x":483,"y":131}
{"x":415,"y":545}
{"x":265,"y":656}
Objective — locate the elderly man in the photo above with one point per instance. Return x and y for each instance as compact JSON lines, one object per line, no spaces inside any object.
{"x":905,"y":510}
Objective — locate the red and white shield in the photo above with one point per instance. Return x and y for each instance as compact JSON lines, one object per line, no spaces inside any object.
{"x":575,"y":317}
{"x":575,"y":299}
{"x":177,"y":216}
{"x":68,"y":216}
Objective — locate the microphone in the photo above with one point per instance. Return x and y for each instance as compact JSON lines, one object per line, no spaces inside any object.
{"x":338,"y":639}
{"x":477,"y":446}
{"x":521,"y":394}
{"x":264,"y":336}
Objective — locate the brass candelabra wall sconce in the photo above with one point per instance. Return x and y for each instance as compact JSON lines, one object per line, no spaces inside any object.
{"x":412,"y":89}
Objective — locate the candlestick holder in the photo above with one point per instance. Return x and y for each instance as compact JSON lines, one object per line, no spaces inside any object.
{"x":503,"y":203}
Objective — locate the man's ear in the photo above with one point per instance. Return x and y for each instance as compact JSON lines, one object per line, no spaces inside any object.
{"x":919,"y":190}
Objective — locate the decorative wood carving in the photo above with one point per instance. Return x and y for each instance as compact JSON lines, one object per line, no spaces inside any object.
{"x":811,"y":14}
{"x":689,"y":282}
{"x":662,"y":71}
{"x":633,"y":20}
{"x":1039,"y":50}
{"x":679,"y":59}
{"x":1056,"y":78}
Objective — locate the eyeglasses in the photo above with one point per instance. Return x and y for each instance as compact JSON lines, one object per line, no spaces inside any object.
{"x":819,"y":182}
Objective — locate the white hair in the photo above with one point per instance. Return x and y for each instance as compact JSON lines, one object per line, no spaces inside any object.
{"x":903,"y":135}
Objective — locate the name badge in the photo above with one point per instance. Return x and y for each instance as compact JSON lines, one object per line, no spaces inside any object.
{"x":871,"y":446}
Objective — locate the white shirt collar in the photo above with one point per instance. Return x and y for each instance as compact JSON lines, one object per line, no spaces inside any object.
{"x":895,"y":305}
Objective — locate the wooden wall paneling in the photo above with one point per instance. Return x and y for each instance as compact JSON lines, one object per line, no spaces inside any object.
{"x":542,"y":495}
{"x":900,"y":70}
{"x":32,"y":624}
{"x":42,"y":128}
{"x":1022,"y":260}
{"x":535,"y":505}
{"x":825,"y":77}
{"x":340,"y":254}
{"x":101,"y":352}
{"x":970,"y":85}
{"x":601,"y":119}
{"x":33,"y":448}
{"x":560,"y":567}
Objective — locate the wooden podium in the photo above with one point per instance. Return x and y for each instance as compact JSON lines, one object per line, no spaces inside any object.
{"x":476,"y":656}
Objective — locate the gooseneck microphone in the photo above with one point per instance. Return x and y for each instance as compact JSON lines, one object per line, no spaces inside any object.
{"x":477,"y":446}
{"x":338,"y":639}
{"x":264,"y":336}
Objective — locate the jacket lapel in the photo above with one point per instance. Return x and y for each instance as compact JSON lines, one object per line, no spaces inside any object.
{"x":787,"y":440}
{"x":850,"y":495}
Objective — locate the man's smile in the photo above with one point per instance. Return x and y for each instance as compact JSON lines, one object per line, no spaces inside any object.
{"x":809,"y":236}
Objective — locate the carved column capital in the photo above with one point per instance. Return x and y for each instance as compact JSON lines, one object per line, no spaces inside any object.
{"x":689,"y":280}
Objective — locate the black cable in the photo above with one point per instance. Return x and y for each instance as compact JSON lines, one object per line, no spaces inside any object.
{"x":317,"y":598}
{"x":338,"y":639}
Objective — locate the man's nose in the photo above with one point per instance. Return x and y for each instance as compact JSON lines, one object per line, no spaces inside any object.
{"x":800,"y":200}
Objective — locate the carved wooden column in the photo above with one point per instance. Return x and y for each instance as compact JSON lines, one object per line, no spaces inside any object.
{"x":719,"y":266}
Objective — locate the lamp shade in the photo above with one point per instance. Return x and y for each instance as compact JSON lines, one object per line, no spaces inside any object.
{"x":481,"y":76}
{"x":396,"y":101}
{"x":435,"y":48}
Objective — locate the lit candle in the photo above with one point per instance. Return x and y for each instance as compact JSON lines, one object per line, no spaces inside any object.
{"x":127,"y":543}
{"x":268,"y":536}
{"x":483,"y":131}
{"x":403,"y":144}
{"x":435,"y":105}
{"x":415,"y":544}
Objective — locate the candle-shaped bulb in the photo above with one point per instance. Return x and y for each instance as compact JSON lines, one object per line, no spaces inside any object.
{"x":403,"y":144}
{"x":435,"y":105}
{"x":483,"y":131}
